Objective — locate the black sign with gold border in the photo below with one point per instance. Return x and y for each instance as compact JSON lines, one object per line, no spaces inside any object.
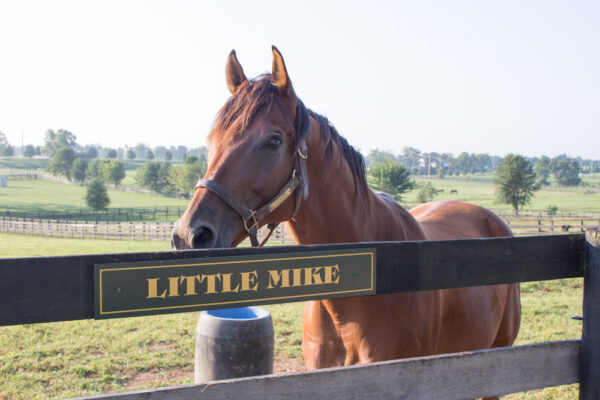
{"x":160,"y":287}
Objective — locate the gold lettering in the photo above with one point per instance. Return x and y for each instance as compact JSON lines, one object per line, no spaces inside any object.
{"x":190,"y":284}
{"x":249,"y":279}
{"x":153,"y":289}
{"x":297,"y":277}
{"x":275,"y":277}
{"x":211,"y":282}
{"x":174,"y":286}
{"x":312,"y":276}
{"x":332,"y":274}
{"x":226,"y":279}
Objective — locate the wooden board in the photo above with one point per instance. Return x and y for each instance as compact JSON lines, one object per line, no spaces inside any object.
{"x":46,"y":289}
{"x":454,"y":376}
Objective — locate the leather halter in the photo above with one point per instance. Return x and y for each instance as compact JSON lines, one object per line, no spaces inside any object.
{"x":297,"y":182}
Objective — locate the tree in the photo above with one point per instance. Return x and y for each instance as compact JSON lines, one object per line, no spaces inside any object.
{"x":426,"y":193}
{"x":96,"y":195}
{"x":78,"y":170}
{"x":91,"y":152}
{"x":7,"y":151}
{"x":515,"y":181}
{"x":29,"y":151}
{"x":155,"y":176}
{"x":566,"y":172}
{"x":62,"y":162}
{"x":111,"y":153}
{"x":5,"y":148}
{"x":184,"y":177}
{"x":168,"y":156}
{"x":149,"y":155}
{"x":392,"y":177}
{"x":542,"y":170}
{"x":54,"y":141}
{"x":114,"y":172}
{"x":130,"y":154}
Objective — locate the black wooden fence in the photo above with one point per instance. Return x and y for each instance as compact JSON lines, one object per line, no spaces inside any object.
{"x":46,"y":289}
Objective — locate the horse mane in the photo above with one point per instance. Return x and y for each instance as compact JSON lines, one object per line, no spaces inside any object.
{"x":241,"y":108}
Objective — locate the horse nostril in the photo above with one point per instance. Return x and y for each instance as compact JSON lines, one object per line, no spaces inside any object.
{"x":203,"y":237}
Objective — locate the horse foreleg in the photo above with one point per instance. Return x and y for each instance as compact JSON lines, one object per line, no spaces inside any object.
{"x":321,"y":345}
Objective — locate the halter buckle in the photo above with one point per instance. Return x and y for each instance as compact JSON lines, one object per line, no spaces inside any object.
{"x":254,"y":221}
{"x":303,"y":156}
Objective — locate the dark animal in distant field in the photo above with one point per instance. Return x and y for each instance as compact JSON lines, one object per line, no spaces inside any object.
{"x":454,"y":191}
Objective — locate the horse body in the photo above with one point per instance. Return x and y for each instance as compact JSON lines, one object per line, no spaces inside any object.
{"x":367,"y":329}
{"x":253,"y":150}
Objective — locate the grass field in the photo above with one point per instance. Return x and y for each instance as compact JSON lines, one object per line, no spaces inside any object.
{"x":65,"y":359}
{"x":34,"y":195}
{"x":25,"y":163}
{"x":481,"y":192}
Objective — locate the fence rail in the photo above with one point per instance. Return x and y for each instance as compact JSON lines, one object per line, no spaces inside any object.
{"x":105,"y":230}
{"x":46,"y":289}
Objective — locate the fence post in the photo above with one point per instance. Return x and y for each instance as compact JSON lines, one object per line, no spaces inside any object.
{"x":590,"y":339}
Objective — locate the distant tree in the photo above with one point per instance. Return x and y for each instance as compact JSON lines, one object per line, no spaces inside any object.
{"x":7,"y":151}
{"x":91,"y":152}
{"x":130,"y":154}
{"x":155,"y":176}
{"x":184,"y":177}
{"x":392,"y":177}
{"x":96,"y":195}
{"x":5,"y":148}
{"x":78,"y":170}
{"x":111,"y":153}
{"x":114,"y":172}
{"x":149,"y":155}
{"x":426,"y":193}
{"x":54,"y":141}
{"x":95,"y":170}
{"x":441,"y":172}
{"x":566,"y":172}
{"x":29,"y":151}
{"x":542,"y":169}
{"x":168,"y":156}
{"x":515,"y":181}
{"x":62,"y":162}
{"x":190,"y":160}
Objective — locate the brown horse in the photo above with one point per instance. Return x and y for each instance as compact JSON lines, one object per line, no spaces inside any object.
{"x":269,"y":153}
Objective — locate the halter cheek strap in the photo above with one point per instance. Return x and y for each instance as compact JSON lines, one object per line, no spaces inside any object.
{"x":297,"y":183}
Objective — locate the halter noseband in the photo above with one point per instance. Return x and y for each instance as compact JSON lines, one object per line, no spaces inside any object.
{"x":297,"y":182}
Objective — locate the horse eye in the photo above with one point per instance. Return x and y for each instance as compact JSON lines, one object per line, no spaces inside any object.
{"x":275,"y":142}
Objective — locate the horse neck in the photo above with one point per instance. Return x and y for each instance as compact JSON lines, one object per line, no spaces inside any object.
{"x":336,"y":211}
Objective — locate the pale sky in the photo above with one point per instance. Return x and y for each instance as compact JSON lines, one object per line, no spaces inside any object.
{"x":448,"y":76}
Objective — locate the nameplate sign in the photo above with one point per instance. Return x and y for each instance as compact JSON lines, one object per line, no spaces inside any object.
{"x":160,"y":287}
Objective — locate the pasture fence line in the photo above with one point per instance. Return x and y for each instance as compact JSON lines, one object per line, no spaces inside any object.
{"x":399,"y":267}
{"x":114,"y":214}
{"x":132,"y":229}
{"x":105,"y":230}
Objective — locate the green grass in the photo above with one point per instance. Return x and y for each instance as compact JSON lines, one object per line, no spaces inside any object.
{"x":25,"y":163}
{"x":482,"y":192}
{"x":34,"y":195}
{"x":65,"y":359}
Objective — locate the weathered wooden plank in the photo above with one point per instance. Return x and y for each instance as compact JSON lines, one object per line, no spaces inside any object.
{"x":46,"y":289}
{"x":453,"y":376}
{"x":590,"y":359}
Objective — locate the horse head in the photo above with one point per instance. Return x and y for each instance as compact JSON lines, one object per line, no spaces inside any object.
{"x":256,"y":171}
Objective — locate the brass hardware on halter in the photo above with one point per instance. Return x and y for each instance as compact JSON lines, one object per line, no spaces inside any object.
{"x":254,"y":223}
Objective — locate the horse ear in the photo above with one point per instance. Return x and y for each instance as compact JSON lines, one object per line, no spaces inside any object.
{"x":279,"y":73}
{"x":234,"y":72}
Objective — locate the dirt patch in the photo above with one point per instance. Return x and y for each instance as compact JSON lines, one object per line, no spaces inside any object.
{"x":155,"y":376}
{"x":283,"y":364}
